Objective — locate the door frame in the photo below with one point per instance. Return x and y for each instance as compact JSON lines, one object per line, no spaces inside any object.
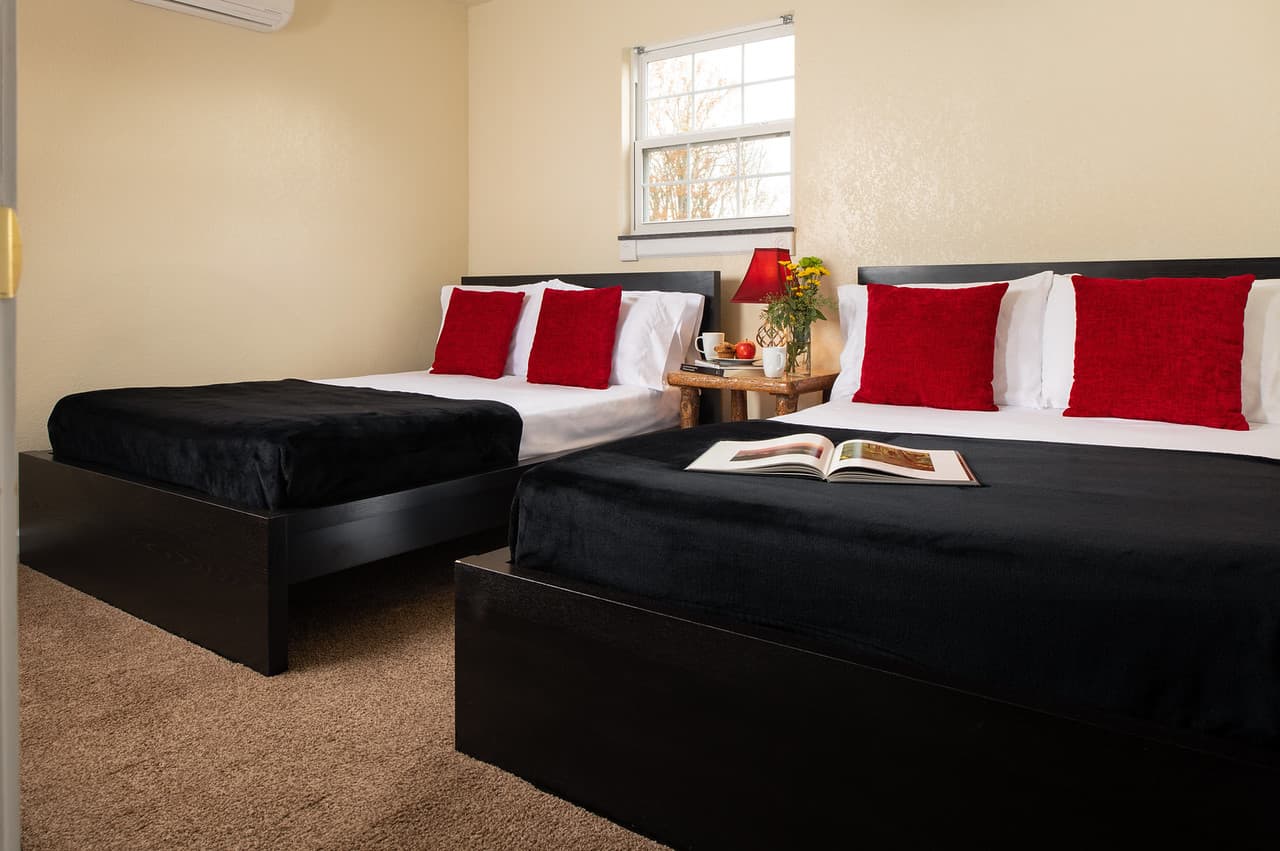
{"x":10,"y":789}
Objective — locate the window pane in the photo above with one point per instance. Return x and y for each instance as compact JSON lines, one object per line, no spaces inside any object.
{"x":666,"y":116}
{"x":709,"y":113}
{"x":715,"y":159}
{"x":713,"y":199}
{"x":717,"y":68}
{"x":766,"y":196}
{"x":668,"y":76}
{"x":768,"y":60}
{"x":766,"y":155}
{"x":666,"y":203}
{"x":717,"y":109}
{"x":769,"y":101}
{"x":663,"y":165}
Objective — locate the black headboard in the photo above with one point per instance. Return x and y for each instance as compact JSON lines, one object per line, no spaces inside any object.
{"x":1262,"y":267}
{"x":705,"y":284}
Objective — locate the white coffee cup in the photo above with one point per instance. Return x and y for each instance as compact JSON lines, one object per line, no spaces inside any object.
{"x":775,"y":361}
{"x":706,"y":344}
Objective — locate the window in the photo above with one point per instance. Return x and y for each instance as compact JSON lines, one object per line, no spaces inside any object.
{"x":713,"y":124}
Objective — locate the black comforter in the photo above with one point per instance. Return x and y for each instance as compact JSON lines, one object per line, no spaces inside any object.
{"x":1135,"y":582}
{"x":284,"y":444}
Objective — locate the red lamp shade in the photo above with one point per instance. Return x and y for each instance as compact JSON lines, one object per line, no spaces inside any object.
{"x":765,"y":277}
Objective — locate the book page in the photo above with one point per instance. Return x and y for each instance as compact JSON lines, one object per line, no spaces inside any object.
{"x":796,"y":453}
{"x":938,"y":465}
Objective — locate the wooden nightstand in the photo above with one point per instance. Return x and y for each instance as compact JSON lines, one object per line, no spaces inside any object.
{"x":786,"y":390}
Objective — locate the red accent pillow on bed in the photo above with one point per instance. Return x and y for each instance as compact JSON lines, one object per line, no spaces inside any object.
{"x":477,"y":333}
{"x":931,"y":347}
{"x":1165,"y":349}
{"x":573,"y":344}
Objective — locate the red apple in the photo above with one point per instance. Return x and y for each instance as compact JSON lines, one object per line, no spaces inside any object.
{"x":746,"y":350}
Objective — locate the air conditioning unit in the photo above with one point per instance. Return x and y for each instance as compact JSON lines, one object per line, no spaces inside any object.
{"x":262,"y":15}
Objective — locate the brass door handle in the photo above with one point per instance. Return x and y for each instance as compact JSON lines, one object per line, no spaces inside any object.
{"x":10,"y":253}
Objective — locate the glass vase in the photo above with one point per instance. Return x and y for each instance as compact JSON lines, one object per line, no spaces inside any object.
{"x":799,"y":351}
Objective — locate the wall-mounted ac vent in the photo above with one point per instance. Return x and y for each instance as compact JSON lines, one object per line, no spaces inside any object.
{"x":262,"y":15}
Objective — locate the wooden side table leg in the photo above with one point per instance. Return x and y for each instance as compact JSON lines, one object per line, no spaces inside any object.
{"x":737,"y":406}
{"x":788,"y":404}
{"x":690,"y":401}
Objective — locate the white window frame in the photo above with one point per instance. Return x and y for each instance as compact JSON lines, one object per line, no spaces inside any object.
{"x":759,"y":32}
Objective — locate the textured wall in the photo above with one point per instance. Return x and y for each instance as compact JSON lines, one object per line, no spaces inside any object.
{"x":926,"y":131}
{"x":205,"y":203}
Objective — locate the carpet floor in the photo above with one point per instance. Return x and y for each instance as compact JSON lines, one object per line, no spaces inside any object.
{"x":132,"y":738}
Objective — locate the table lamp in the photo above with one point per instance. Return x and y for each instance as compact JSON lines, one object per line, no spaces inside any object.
{"x":765,"y":277}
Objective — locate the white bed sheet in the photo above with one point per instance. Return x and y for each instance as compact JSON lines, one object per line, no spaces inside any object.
{"x":1045,"y":424}
{"x":556,"y":419}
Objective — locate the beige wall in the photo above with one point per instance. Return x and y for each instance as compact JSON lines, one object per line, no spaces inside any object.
{"x":926,"y":130}
{"x":204,"y":203}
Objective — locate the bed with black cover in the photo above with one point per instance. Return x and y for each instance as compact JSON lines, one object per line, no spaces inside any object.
{"x":269,"y":445}
{"x":195,"y":508}
{"x":1081,"y":653}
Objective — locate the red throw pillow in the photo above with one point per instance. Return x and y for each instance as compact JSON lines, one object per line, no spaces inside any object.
{"x":477,"y":333}
{"x":573,"y":343}
{"x":931,"y":347}
{"x":1165,"y":349}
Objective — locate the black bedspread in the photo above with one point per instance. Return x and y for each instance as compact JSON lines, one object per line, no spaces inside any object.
{"x":284,"y":444}
{"x":1134,"y":582}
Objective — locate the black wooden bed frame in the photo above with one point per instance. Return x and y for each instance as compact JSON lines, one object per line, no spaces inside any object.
{"x":219,"y":575}
{"x":708,"y":733}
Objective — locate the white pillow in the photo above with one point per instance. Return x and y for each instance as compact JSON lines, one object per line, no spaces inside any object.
{"x":446,"y":293}
{"x":645,"y":333}
{"x":655,"y":330}
{"x":1260,"y":369}
{"x":688,"y":307}
{"x":1260,"y":373}
{"x":1019,"y":339}
{"x":526,"y":325}
{"x":1059,"y":342}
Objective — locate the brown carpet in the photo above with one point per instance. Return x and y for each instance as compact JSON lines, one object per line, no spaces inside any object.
{"x":132,"y":738}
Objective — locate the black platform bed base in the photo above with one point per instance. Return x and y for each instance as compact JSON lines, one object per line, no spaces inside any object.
{"x":706,"y":734}
{"x":219,"y":575}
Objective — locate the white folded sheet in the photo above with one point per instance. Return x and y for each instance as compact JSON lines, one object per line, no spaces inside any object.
{"x":1045,"y":424}
{"x":556,"y":419}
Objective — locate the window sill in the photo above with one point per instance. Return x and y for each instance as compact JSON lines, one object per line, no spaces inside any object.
{"x":741,"y":241}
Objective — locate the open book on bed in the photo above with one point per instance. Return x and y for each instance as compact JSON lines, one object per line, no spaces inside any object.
{"x":851,"y":461}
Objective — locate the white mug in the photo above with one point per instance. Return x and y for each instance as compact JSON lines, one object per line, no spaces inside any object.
{"x":775,"y":361}
{"x":706,"y":344}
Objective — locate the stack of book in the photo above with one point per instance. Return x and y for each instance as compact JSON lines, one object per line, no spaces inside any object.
{"x":727,"y":368}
